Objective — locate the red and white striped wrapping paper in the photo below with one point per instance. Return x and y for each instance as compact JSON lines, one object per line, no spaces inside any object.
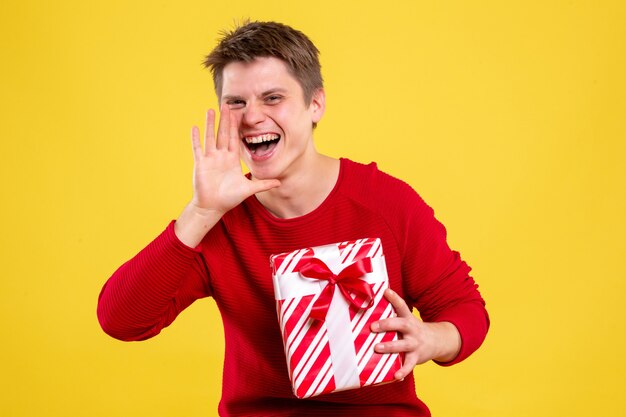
{"x":337,"y":353}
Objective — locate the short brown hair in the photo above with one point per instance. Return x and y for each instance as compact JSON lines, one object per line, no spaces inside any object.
{"x":268,"y":39}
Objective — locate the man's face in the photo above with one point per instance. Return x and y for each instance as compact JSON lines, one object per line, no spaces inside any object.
{"x":275,"y":124}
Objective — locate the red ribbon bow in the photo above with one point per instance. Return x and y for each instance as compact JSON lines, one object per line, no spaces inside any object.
{"x":348,"y":280}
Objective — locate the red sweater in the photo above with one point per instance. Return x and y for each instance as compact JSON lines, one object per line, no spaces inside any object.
{"x":231,"y":264}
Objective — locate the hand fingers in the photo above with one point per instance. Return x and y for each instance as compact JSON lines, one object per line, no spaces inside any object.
{"x":223,"y":129}
{"x":396,"y":346}
{"x":209,"y":134}
{"x":411,"y":358}
{"x":233,"y":134}
{"x":402,"y":310}
{"x":410,"y":361}
{"x":264,"y":185}
{"x":195,"y":143}
{"x":392,"y":324}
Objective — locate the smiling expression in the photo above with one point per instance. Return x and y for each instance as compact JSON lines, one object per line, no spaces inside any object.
{"x":275,"y":125}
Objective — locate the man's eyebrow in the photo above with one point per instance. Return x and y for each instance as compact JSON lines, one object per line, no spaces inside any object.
{"x":265,"y":93}
{"x":231,"y":97}
{"x":273,"y":90}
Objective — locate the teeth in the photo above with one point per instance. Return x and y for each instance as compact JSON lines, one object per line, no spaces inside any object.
{"x":261,"y":138}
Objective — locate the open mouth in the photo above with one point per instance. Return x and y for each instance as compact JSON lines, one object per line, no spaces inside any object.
{"x":262,"y":144}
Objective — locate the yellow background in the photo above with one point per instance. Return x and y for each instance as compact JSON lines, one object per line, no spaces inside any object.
{"x":507,"y":117}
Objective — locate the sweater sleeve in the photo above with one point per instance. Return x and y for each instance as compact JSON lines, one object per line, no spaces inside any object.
{"x":437,"y":281}
{"x":147,"y":293}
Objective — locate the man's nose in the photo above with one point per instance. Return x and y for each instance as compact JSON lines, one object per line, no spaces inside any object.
{"x":252,"y":114}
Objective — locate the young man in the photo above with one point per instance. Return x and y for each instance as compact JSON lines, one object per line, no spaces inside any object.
{"x":267,"y":78}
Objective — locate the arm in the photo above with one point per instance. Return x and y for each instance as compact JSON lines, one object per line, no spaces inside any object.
{"x":146,"y":293}
{"x":437,"y":282}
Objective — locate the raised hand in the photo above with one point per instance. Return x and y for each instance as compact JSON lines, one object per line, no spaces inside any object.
{"x":218,"y":182}
{"x":420,"y":341}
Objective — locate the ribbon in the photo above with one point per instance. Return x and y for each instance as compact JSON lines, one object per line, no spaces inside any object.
{"x":348,"y":280}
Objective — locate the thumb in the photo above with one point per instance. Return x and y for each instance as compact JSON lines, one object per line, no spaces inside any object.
{"x":263,"y":185}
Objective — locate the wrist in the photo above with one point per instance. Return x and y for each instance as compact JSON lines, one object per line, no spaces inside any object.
{"x":194,"y":223}
{"x":193,"y":208}
{"x":449,"y":339}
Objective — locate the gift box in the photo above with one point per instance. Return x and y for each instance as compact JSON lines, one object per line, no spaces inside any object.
{"x":327,"y":297}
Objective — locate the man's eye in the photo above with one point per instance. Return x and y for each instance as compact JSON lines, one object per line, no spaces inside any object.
{"x":236,"y":104}
{"x":273,"y":99}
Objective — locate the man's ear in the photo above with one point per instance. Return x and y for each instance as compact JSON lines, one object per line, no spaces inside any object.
{"x":318,"y":105}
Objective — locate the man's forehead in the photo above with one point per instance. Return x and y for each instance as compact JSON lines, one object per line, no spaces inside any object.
{"x":261,"y":75}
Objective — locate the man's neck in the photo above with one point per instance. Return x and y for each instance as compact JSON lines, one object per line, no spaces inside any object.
{"x":302,"y":193}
